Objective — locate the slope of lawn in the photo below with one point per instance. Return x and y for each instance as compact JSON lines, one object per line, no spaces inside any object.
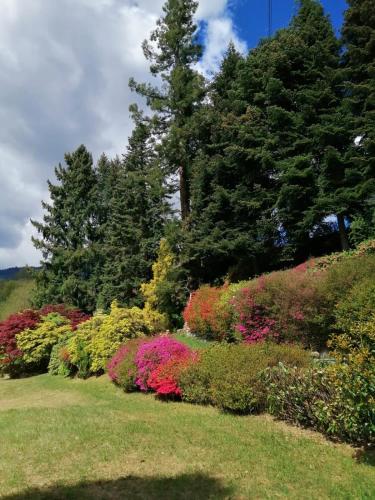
{"x":86,"y":439}
{"x":15,"y":295}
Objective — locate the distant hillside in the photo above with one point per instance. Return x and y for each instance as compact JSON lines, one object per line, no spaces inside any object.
{"x":15,"y":295}
{"x":16,"y":273}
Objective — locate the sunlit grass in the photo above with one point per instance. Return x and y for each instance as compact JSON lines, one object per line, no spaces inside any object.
{"x":86,"y":439}
{"x":16,"y":296}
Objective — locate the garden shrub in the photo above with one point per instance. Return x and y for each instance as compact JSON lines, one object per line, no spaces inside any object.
{"x":73,"y":314}
{"x":227,"y":375}
{"x":358,"y":305}
{"x":338,"y":401}
{"x":36,"y":344}
{"x":10,"y":353}
{"x":207,"y":315}
{"x":292,"y":305}
{"x":164,"y":380}
{"x":59,"y":363}
{"x":97,"y":339}
{"x":122,"y":369}
{"x":154,"y":353}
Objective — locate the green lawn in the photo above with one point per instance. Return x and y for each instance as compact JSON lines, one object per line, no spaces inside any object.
{"x":86,"y":439}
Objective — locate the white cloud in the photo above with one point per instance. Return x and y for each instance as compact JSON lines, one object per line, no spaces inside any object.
{"x":64,"y":81}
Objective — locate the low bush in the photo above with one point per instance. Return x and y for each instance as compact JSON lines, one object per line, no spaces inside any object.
{"x":36,"y":344}
{"x":338,"y":401}
{"x":165,"y":379}
{"x":152,"y":354}
{"x":122,"y":369}
{"x":59,"y":362}
{"x":227,"y":375}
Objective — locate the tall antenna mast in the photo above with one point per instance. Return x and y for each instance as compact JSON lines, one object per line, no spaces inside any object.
{"x":269,"y":18}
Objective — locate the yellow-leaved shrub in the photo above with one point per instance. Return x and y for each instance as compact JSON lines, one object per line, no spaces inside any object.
{"x":36,"y":344}
{"x":98,"y":339}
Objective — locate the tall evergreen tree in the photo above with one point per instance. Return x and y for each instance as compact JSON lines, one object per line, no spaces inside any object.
{"x":174,"y":48}
{"x":67,"y":235}
{"x":298,"y":91}
{"x":135,"y":221}
{"x":347,"y":181}
{"x":232,"y":228}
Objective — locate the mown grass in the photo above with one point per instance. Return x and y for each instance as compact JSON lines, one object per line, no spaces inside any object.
{"x":15,"y":295}
{"x":79,"y":439}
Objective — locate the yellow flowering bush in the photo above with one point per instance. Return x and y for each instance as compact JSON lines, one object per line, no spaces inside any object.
{"x":36,"y":344}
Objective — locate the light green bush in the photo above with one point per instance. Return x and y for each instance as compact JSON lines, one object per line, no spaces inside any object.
{"x":36,"y":345}
{"x":227,"y":375}
{"x":96,"y":340}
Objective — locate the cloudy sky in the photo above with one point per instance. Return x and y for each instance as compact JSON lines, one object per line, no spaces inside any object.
{"x":64,"y":68}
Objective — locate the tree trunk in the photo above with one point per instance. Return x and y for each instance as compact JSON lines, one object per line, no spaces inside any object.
{"x":342,"y":232}
{"x":184,"y":194}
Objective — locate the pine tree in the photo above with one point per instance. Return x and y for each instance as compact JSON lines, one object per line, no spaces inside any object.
{"x":347,"y":181}
{"x":177,"y":49}
{"x":232,"y":229}
{"x":135,"y":221}
{"x":68,"y":234}
{"x":299,"y":92}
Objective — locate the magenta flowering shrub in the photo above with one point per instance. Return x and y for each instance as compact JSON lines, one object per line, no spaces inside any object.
{"x":253,"y":324}
{"x":154,"y":353}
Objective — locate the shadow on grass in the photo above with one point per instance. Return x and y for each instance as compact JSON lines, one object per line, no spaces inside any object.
{"x":185,"y":486}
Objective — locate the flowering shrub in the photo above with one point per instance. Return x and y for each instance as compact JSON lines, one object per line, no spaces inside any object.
{"x":154,"y":353}
{"x":253,"y":323}
{"x":122,"y":369}
{"x":36,"y":344}
{"x":164,"y":380}
{"x":10,"y":353}
{"x":207,"y":315}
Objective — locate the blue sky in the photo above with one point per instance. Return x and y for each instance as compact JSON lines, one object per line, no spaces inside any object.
{"x":251,"y":16}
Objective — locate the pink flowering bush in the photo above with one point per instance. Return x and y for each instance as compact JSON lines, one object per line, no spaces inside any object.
{"x":253,"y":323}
{"x":154,"y":353}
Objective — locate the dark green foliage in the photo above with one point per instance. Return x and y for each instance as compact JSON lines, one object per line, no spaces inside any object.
{"x":135,"y":216}
{"x":337,"y":401}
{"x":68,"y":235}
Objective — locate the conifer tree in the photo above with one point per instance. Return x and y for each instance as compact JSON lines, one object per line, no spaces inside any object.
{"x":348,"y":174}
{"x":174,"y":48}
{"x":232,"y":190}
{"x":67,"y":235}
{"x":135,"y":220}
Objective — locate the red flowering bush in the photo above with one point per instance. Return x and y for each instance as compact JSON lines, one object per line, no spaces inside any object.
{"x":10,"y":354}
{"x":164,"y":380}
{"x":152,"y":354}
{"x":207,"y":315}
